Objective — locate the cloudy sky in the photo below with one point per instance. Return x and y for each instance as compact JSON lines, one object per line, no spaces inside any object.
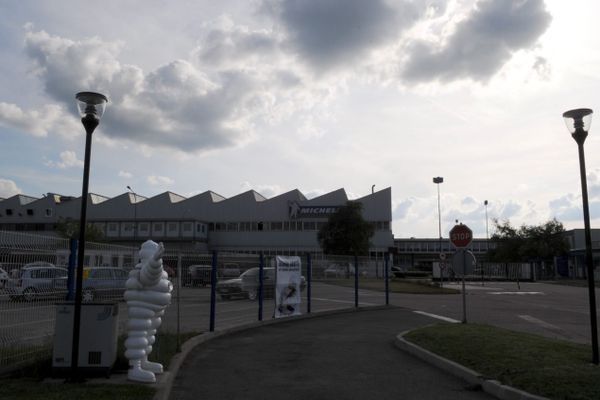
{"x":317,"y":95}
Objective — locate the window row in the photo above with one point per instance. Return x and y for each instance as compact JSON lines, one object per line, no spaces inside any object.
{"x":279,"y":226}
{"x":9,"y":212}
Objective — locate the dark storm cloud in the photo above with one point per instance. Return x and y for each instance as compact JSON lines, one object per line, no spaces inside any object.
{"x":327,"y":33}
{"x":481,"y":44}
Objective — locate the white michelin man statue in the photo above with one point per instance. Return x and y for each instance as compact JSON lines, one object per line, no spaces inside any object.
{"x":148,"y":293}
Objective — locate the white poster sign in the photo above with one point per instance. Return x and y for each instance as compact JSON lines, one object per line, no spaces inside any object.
{"x":287,"y":288}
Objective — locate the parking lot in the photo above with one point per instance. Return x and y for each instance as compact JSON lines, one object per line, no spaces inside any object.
{"x":551,"y":310}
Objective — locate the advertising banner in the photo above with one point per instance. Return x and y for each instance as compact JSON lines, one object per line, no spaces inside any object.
{"x":287,"y":288}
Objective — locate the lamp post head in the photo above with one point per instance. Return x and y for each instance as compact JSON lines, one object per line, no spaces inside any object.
{"x":91,"y":107}
{"x":438,"y":179}
{"x":578,"y":123}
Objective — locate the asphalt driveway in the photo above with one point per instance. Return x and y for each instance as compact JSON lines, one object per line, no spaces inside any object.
{"x":349,"y":355}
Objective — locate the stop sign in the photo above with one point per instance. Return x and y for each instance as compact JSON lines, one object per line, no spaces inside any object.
{"x":461,"y":236}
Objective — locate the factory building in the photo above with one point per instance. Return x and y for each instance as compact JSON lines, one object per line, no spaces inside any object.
{"x":246,"y":223}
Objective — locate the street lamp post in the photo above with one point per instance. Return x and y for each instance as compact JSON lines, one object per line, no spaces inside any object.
{"x":91,"y":107}
{"x":487,"y":233}
{"x":437,"y":180}
{"x":578,"y":123}
{"x":134,"y":213}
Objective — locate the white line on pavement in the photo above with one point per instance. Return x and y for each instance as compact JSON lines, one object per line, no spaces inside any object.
{"x":517,"y":293}
{"x":454,"y":321}
{"x":539,"y":322}
{"x":345,"y":301}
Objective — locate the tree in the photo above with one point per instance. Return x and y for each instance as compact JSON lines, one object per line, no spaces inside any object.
{"x":529,"y":242}
{"x":346,"y":232}
{"x":69,"y":229}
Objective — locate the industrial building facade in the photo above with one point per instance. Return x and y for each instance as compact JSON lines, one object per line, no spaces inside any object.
{"x":247,"y":223}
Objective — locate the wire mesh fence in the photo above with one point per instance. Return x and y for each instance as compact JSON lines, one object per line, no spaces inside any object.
{"x":210,"y":291}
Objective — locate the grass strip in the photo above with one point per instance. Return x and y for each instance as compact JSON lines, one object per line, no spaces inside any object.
{"x":29,"y":384}
{"x":547,"y":367}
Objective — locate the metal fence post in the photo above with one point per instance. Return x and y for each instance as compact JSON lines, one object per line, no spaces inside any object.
{"x":213,"y":289}
{"x":386,"y":276}
{"x":178,"y":302}
{"x":71,"y":273}
{"x":355,"y":281}
{"x":261,"y":267}
{"x":309,"y":282}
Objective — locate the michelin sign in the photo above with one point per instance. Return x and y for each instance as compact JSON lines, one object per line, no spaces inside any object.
{"x":288,"y":286}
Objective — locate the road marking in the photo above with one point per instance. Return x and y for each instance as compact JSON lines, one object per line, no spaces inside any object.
{"x":454,"y":321}
{"x":518,"y":293}
{"x":345,"y":301}
{"x":539,"y":322}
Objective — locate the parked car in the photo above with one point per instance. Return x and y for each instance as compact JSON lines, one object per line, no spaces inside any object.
{"x":339,"y":271}
{"x":247,"y":284}
{"x":36,"y":280}
{"x":103,"y":283}
{"x":199,"y":275}
{"x":3,"y":278}
{"x":398,"y":272}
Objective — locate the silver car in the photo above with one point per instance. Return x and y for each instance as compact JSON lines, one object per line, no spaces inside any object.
{"x":247,"y":284}
{"x":106,"y":283}
{"x":37,"y":280}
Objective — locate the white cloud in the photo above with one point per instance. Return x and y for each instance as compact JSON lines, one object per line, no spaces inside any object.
{"x":50,"y":118}
{"x":125,"y":174}
{"x":157,"y":180}
{"x":68,"y":159}
{"x":8,"y":188}
{"x":480,"y":44}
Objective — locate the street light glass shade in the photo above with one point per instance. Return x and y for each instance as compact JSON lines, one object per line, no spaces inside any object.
{"x":438,"y":179}
{"x":91,"y":103}
{"x":578,"y":118}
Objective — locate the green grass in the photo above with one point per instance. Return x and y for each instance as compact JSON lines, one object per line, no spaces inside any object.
{"x":409,"y":286}
{"x":552,"y":368}
{"x":32,"y":389}
{"x":29,"y":384}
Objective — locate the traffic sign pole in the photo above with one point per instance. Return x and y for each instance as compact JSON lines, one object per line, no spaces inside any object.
{"x":461,"y":236}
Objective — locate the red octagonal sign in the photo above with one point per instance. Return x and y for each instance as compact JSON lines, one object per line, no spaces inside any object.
{"x":461,"y":236}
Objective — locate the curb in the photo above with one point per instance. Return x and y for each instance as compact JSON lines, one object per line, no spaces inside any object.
{"x":490,"y":386}
{"x":165,"y":381}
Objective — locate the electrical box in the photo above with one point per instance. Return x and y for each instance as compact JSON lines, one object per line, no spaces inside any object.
{"x":97,"y":338}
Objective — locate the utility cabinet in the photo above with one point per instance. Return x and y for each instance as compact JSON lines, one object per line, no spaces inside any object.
{"x":97,"y":338}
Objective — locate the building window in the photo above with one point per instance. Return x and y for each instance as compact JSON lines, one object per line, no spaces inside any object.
{"x":9,"y":211}
{"x":186,"y":227}
{"x":310,"y":226}
{"x":112,"y":227}
{"x":172,"y":226}
{"x":48,"y":212}
{"x":30,"y":211}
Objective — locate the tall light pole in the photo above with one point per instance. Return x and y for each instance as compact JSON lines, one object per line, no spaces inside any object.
{"x":487,"y":232}
{"x":437,"y":180}
{"x":91,"y":107}
{"x":578,"y":123}
{"x":134,"y":213}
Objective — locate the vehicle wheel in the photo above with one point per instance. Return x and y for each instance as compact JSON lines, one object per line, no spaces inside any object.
{"x":88,"y":295}
{"x":252,"y":294}
{"x":29,"y":294}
